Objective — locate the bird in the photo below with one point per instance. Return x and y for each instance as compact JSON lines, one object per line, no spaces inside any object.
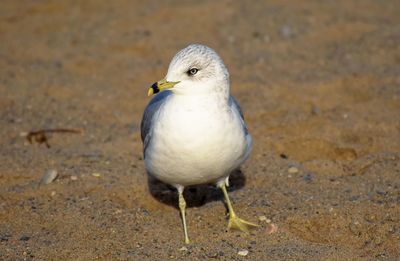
{"x":193,"y":130}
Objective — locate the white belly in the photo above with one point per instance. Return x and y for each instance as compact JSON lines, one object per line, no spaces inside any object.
{"x":195,"y":142}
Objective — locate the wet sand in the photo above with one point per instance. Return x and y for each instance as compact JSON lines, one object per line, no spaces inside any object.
{"x":319,"y":83}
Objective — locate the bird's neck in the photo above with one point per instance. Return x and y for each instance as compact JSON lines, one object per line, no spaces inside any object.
{"x":217,"y":90}
{"x":203,"y":100}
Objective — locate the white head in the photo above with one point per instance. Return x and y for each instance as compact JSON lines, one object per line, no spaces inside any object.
{"x":196,"y":69}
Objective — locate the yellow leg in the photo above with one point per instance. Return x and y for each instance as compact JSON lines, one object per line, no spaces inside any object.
{"x":234,"y":221}
{"x":182,"y":207}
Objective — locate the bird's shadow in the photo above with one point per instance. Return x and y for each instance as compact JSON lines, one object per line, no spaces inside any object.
{"x":195,"y":196}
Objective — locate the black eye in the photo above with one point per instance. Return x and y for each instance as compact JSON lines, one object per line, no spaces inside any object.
{"x":192,"y":71}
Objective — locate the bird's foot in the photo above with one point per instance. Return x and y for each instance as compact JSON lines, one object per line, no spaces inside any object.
{"x":240,"y":224}
{"x":187,"y":241}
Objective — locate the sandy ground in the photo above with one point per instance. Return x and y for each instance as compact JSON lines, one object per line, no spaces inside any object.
{"x":319,"y":83}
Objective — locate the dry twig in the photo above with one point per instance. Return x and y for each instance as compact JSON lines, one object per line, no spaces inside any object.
{"x":41,"y":137}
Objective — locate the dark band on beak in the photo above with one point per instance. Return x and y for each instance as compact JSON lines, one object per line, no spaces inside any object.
{"x":155,"y":88}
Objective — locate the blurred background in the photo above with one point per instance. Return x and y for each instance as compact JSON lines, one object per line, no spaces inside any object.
{"x":319,"y":84}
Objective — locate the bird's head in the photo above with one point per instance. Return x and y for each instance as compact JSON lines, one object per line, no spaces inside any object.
{"x":196,"y":69}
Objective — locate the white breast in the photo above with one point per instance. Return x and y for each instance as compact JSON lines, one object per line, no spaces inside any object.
{"x":195,"y":140}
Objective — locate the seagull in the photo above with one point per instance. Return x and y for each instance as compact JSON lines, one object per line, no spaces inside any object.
{"x":193,"y":130}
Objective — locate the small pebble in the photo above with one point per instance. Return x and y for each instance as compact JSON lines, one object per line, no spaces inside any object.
{"x":97,"y":175}
{"x":25,"y":238}
{"x":309,"y":177}
{"x":53,"y":193}
{"x":183,"y":248}
{"x":49,"y":176}
{"x":286,"y":31}
{"x":293,"y":170}
{"x":73,"y":177}
{"x":370,"y":218}
{"x":315,"y":110}
{"x":272,"y":228}
{"x":283,"y":156}
{"x":213,"y":255}
{"x":262,"y":218}
{"x":243,"y":252}
{"x":23,"y":134}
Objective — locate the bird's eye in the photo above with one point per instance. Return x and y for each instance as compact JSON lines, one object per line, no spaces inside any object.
{"x":192,"y":71}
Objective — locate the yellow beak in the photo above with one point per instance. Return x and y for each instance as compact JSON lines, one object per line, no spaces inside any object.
{"x":160,"y":86}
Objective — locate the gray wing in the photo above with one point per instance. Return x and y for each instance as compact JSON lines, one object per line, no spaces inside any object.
{"x":234,"y":104}
{"x":148,"y":115}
